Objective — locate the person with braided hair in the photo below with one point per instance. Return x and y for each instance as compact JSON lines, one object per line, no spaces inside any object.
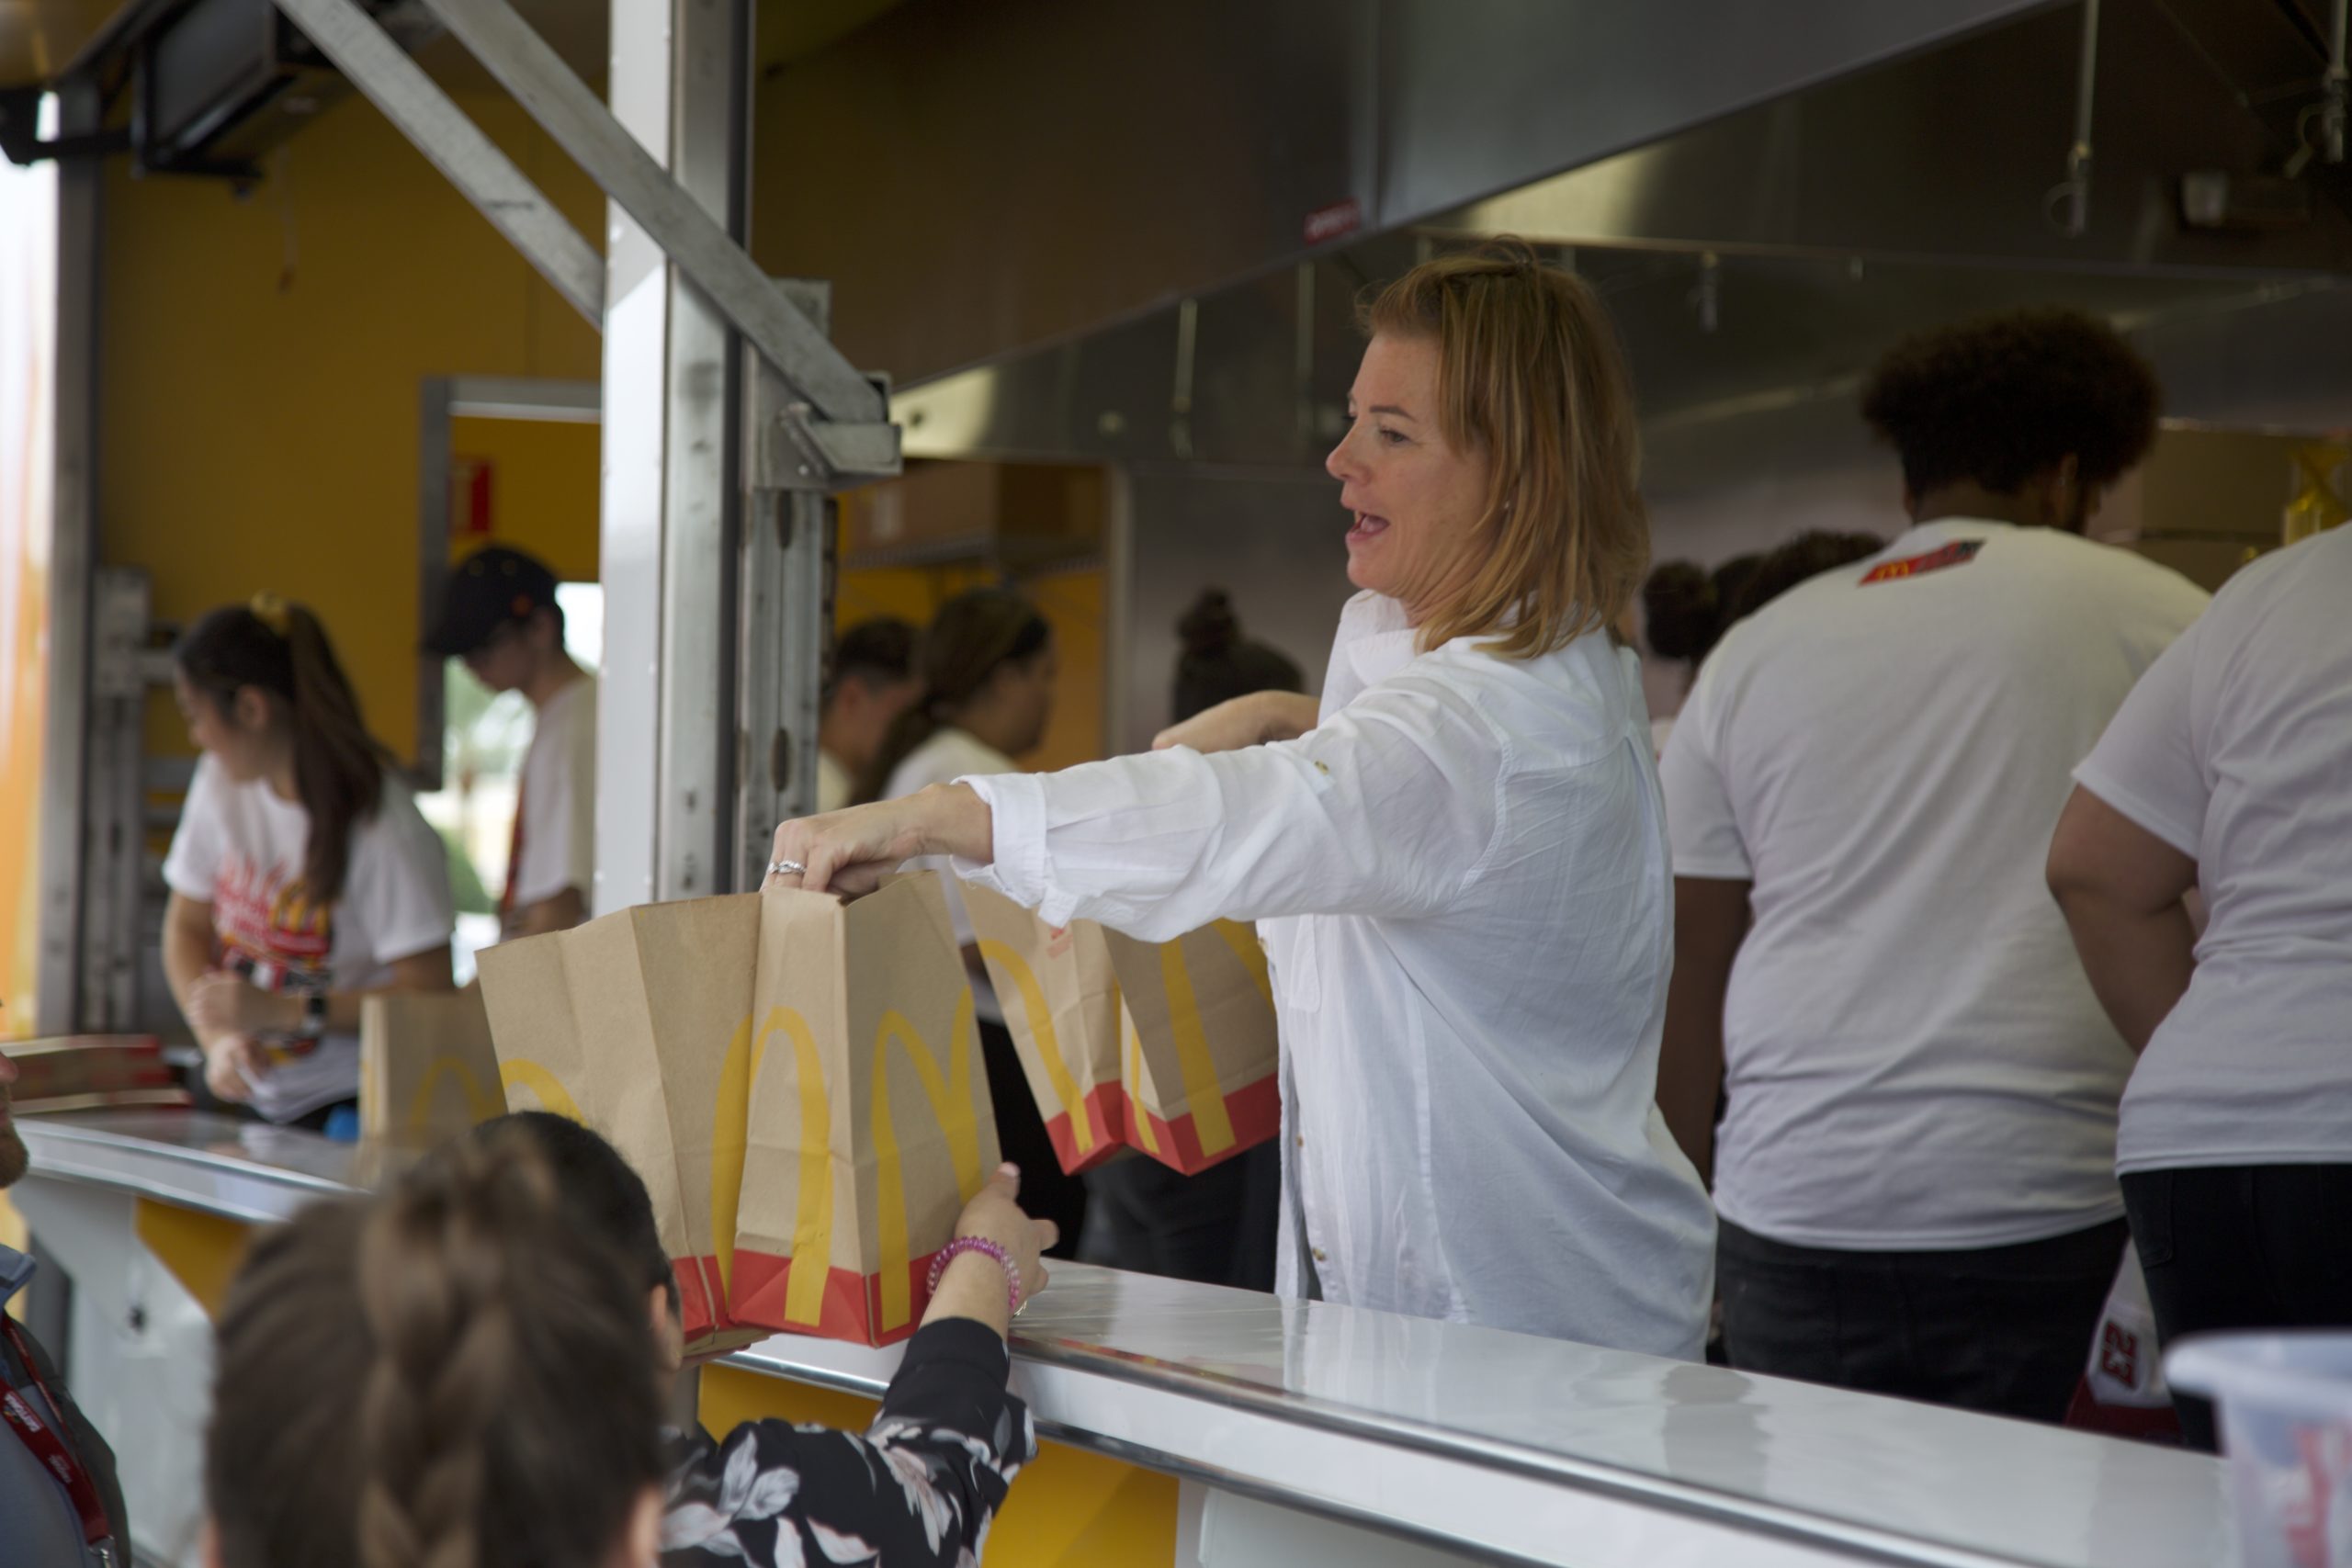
{"x":922,"y":1485}
{"x":447,"y":1376}
{"x":302,"y":877}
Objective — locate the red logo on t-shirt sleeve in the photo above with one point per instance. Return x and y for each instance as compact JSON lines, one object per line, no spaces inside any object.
{"x":1960,"y":552}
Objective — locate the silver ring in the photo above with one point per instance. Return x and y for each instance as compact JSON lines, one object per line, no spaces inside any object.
{"x":787,"y":868}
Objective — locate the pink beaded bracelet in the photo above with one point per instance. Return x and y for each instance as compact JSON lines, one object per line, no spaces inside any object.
{"x":947,"y":1255}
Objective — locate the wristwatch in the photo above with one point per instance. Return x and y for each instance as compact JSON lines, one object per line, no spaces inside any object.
{"x":314,"y":1016}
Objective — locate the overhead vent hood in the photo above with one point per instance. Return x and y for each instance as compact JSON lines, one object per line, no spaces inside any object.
{"x":218,"y":82}
{"x":196,"y":86}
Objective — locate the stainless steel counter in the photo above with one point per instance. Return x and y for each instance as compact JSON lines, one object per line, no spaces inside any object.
{"x":1480,"y":1441}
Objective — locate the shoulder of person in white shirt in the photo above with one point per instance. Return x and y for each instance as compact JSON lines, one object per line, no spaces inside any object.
{"x":2223,"y":772}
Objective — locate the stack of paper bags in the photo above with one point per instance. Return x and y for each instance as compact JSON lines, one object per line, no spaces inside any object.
{"x":426,"y":1068}
{"x":797,"y":1080}
{"x":1165,"y":1047}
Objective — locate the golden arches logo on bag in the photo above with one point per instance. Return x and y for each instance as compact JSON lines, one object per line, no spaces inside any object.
{"x":1196,"y":1067}
{"x":956,"y":1115}
{"x":480,"y":1103}
{"x":1083,"y":1130}
{"x":812,"y":1218}
{"x":514,"y":1073}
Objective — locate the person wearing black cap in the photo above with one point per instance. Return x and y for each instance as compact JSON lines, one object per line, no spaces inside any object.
{"x":499,"y":614}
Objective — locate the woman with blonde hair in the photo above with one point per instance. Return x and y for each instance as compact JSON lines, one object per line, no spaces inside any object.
{"x":1458,"y":856}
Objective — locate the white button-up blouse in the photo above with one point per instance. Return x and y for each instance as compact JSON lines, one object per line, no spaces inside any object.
{"x":1462,"y":879}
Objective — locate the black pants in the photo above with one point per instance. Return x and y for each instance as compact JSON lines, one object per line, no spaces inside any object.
{"x":1047,"y":1193}
{"x":2243,"y":1246}
{"x":2006,"y":1330}
{"x":1217,"y":1227}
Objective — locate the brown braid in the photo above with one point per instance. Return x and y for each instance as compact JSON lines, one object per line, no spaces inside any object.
{"x":479,"y":1344}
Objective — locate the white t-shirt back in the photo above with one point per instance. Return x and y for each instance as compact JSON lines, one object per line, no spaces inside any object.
{"x":1915,"y":1058}
{"x":2238,"y":750}
{"x":240,"y":849}
{"x":949,"y":755}
{"x":555,"y":813}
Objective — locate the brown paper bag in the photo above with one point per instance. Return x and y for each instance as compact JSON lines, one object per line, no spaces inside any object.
{"x":426,"y":1068}
{"x":639,"y":1024}
{"x":1061,"y":1004}
{"x":1165,"y":1047}
{"x":1201,"y":1057}
{"x":870,"y":1122}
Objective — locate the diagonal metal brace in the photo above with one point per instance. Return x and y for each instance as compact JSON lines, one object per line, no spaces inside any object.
{"x":395,"y":84}
{"x":586,"y":129}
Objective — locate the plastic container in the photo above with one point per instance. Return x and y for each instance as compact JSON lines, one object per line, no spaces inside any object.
{"x":2285,"y":1407}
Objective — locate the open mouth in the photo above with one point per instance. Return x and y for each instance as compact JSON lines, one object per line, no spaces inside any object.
{"x":1367,"y":526}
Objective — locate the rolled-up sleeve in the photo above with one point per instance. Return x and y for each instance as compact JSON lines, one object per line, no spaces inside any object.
{"x":1390,"y":807}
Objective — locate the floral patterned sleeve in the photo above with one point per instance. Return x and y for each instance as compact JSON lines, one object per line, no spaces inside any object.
{"x":919,"y":1487}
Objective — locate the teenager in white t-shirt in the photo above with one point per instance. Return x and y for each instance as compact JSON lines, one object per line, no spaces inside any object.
{"x":869,"y":684}
{"x":2229,"y":770}
{"x":986,"y":666}
{"x":1915,"y":1169}
{"x":302,"y":877}
{"x":499,"y":614}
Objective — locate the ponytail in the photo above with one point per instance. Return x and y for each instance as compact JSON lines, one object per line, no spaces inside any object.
{"x":449,"y":1377}
{"x":973,"y":636}
{"x":280,"y":648}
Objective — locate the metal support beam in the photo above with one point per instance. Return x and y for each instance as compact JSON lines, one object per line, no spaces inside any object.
{"x":668,"y":774}
{"x":684,"y":230}
{"x":455,"y":146}
{"x":73,"y":558}
{"x":788,"y":605}
{"x":786,"y":599}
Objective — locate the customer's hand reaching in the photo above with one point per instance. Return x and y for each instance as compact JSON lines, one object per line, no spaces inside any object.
{"x":975,"y":1284}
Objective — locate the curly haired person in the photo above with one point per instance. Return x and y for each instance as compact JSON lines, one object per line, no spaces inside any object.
{"x":1915,"y":1170}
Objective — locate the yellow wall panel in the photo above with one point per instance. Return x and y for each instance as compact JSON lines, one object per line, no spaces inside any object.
{"x":543,"y":490}
{"x":261,"y":362}
{"x":203,"y":1251}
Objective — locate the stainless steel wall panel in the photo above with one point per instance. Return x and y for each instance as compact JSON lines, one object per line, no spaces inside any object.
{"x":976,"y":178}
{"x":1482,"y":97}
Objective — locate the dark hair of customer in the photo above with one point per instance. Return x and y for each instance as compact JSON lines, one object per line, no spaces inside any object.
{"x":1218,"y":663}
{"x":879,"y":652}
{"x":1997,"y":400}
{"x":601,"y":1190}
{"x":1684,"y":606}
{"x":973,"y":634}
{"x":448,"y":1374}
{"x":279,"y":650}
{"x":1801,"y":559}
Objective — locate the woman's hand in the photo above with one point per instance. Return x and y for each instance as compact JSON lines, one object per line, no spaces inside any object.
{"x":225,"y":1004}
{"x":232,"y":1064}
{"x":995,"y":1214}
{"x":973,"y":1285}
{"x":1244,"y":721}
{"x":851,"y":852}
